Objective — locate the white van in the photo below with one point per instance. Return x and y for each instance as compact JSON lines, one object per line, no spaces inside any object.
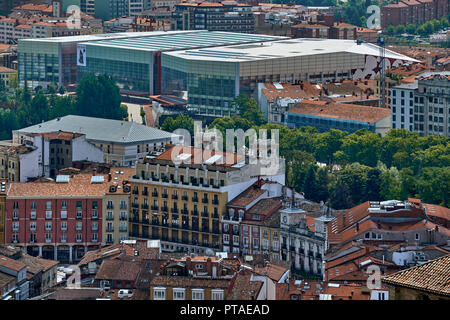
{"x":125,"y":293}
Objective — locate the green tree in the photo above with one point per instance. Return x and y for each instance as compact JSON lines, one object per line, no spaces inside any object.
{"x":99,"y":96}
{"x":248,"y":109}
{"x":373,"y":185}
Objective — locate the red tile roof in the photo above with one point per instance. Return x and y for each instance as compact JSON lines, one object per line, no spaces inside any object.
{"x":432,"y":276}
{"x":341,"y":110}
{"x":11,"y":264}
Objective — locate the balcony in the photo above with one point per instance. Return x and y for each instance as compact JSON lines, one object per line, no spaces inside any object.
{"x":155,"y":194}
{"x":194,"y":199}
{"x":184,"y":198}
{"x":205,"y":214}
{"x":110,"y":229}
{"x":109,"y":241}
{"x":109,"y":218}
{"x":205,"y":200}
{"x":135,"y":205}
{"x":144,"y":206}
{"x":123,"y":229}
{"x":194,"y":212}
{"x":174,"y":197}
{"x":154,"y":208}
{"x":165,"y":195}
{"x":184,"y":211}
{"x":135,"y":191}
{"x":215,"y":201}
{"x":134,"y":219}
{"x":174,"y":210}
{"x":165,"y":209}
{"x":110,"y":206}
{"x":145,"y":192}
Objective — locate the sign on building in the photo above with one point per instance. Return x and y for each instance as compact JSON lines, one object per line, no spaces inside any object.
{"x":81,"y":55}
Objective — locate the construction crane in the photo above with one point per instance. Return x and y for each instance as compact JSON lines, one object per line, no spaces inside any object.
{"x":381,"y":45}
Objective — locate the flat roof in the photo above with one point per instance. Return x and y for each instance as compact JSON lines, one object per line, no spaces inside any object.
{"x":284,"y":49}
{"x":167,"y":41}
{"x":99,"y":129}
{"x":104,"y":36}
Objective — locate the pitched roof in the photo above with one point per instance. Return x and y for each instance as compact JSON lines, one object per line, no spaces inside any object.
{"x":119,"y":268}
{"x":272,"y":271}
{"x":432,"y":276}
{"x":341,"y":111}
{"x":109,"y":251}
{"x":242,"y":287}
{"x":246,"y":197}
{"x":34,"y":264}
{"x":188,"y":282}
{"x":99,"y":129}
{"x":11,"y":264}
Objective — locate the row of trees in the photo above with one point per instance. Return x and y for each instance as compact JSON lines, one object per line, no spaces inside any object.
{"x":348,"y":169}
{"x":423,"y":30}
{"x":97,"y":96}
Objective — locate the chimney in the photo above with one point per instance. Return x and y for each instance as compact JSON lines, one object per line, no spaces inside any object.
{"x":94,"y":170}
{"x":109,"y":176}
{"x":209,"y":266}
{"x":188,"y":263}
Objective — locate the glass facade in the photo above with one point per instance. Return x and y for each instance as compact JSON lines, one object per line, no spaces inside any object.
{"x":210,"y":86}
{"x":38,"y":63}
{"x":131,"y":69}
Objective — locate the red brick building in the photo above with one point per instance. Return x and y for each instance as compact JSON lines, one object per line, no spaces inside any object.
{"x":56,"y":220}
{"x":406,"y":12}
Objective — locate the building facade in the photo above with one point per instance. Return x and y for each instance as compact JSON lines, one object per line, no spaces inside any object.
{"x":183,"y":204}
{"x":218,"y":16}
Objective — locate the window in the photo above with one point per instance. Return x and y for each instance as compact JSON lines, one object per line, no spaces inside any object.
{"x":417,"y":237}
{"x":216,"y":294}
{"x":225,"y":227}
{"x":198,"y":294}
{"x":226,"y":238}
{"x":159,"y":294}
{"x":63,"y":204}
{"x":79,"y":237}
{"x":79,"y":226}
{"x":94,"y":215}
{"x":275,"y":245}
{"x":49,"y":205}
{"x":381,"y":296}
{"x":178,"y":294}
{"x":63,"y":225}
{"x":94,"y":237}
{"x":32,"y":226}
{"x":48,"y":226}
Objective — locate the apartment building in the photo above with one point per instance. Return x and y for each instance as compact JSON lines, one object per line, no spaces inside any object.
{"x":304,"y":239}
{"x":7,"y":75}
{"x":432,"y":104}
{"x":44,"y":154}
{"x":116,"y":205}
{"x":56,"y":220}
{"x":214,"y":16}
{"x":182,"y":201}
{"x":401,"y":102}
{"x":2,"y":210}
{"x":413,"y":12}
{"x":121,"y":142}
{"x":325,"y":115}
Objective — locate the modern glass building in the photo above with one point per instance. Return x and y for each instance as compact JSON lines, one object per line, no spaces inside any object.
{"x":135,"y":63}
{"x":213,"y":77}
{"x":54,"y":60}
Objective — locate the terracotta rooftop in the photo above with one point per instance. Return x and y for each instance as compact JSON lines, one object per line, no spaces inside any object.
{"x":36,"y":263}
{"x":341,"y":111}
{"x":242,"y":288}
{"x":4,"y":69}
{"x":6,"y":279}
{"x":79,"y":185}
{"x":272,"y":271}
{"x":109,"y":251}
{"x":173,"y":151}
{"x":247,"y":197}
{"x":432,"y":276}
{"x":121,"y":268}
{"x":11,"y":264}
{"x":189,"y":282}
